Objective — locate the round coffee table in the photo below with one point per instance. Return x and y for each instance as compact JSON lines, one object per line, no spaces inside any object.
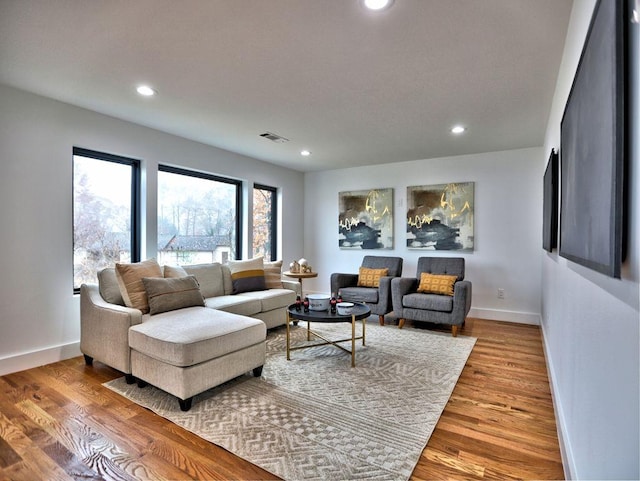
{"x":360,"y":312}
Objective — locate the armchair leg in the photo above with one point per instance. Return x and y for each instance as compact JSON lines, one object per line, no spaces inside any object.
{"x":381,"y":320}
{"x":401,"y":323}
{"x":454,"y":331}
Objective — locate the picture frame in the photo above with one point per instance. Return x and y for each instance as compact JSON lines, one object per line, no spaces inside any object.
{"x":441,"y":217}
{"x":365,"y":219}
{"x":593,"y":147}
{"x":550,"y":203}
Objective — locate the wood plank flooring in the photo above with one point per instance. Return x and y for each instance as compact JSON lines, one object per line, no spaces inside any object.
{"x":57,"y":422}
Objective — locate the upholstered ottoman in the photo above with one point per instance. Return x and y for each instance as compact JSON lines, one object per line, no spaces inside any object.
{"x":188,"y":351}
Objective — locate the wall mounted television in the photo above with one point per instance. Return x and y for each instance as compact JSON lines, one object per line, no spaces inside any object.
{"x":593,"y":145}
{"x":550,"y":204}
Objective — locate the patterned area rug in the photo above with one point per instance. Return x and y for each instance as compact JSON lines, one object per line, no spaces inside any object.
{"x":315,"y":417}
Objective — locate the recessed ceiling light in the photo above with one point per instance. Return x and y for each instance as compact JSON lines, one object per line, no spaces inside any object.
{"x":146,"y":91}
{"x":305,"y":153}
{"x":458,"y":129}
{"x":377,"y":5}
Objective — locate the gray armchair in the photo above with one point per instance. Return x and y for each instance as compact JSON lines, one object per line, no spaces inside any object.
{"x":377,"y":298}
{"x":436,"y":308}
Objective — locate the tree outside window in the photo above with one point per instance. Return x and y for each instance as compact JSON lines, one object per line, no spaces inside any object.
{"x":264,"y":222}
{"x":104,"y":213}
{"x":197,"y":217}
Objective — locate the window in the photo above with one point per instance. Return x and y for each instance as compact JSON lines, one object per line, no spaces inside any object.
{"x":105,"y":213}
{"x":198,"y":218}
{"x":265,"y":208}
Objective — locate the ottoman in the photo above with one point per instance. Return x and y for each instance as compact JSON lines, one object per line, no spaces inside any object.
{"x":190,"y":350}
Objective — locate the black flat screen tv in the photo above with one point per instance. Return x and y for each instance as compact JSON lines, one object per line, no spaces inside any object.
{"x":593,"y":144}
{"x":550,"y":204}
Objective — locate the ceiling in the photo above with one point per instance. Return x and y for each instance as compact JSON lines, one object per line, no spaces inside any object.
{"x":354,"y":87}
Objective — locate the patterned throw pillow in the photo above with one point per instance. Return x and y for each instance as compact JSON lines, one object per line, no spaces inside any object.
{"x":130,"y":282}
{"x":371,"y":277}
{"x":247,"y":275}
{"x":172,"y":293}
{"x":437,"y":284}
{"x":273,"y":274}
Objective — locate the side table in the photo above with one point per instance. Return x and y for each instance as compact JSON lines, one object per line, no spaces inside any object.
{"x":300,"y":276}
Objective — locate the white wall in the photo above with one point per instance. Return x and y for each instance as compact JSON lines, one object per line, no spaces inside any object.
{"x":508,"y":223}
{"x":591,"y":322}
{"x":39,"y":315}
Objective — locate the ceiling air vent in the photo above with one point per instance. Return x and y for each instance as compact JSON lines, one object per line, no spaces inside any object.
{"x":274,"y":137}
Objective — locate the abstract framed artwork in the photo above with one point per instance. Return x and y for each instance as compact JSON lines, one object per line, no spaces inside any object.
{"x":440,"y":217}
{"x":550,"y":204}
{"x":592,"y":148}
{"x":365,"y":219}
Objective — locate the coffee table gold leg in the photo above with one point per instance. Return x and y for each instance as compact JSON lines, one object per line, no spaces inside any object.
{"x":353,"y":340}
{"x":288,"y":336}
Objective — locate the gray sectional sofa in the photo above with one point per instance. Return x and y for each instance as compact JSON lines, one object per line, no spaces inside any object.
{"x":184,"y":350}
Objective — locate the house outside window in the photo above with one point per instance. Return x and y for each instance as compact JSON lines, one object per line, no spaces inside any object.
{"x":105,"y":213}
{"x":197,"y":217}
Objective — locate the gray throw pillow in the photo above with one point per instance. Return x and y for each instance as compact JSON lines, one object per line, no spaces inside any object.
{"x":173,"y":293}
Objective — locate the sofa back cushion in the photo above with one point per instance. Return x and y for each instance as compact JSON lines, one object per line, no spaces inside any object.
{"x":394,"y":264}
{"x":209,"y":277}
{"x":441,"y":265}
{"x":108,"y":286}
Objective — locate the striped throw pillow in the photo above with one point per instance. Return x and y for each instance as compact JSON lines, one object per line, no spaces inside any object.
{"x":247,"y":276}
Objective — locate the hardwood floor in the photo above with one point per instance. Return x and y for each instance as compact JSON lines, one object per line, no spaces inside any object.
{"x":58,"y":422}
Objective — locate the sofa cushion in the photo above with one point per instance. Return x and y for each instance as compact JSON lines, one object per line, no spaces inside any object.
{"x":130,"y":281}
{"x":235,"y":304}
{"x":209,"y":277}
{"x":226,"y":280}
{"x":360,"y":294}
{"x":247,"y":276}
{"x":171,"y":294}
{"x":431,"y":302}
{"x":108,"y":286}
{"x":173,"y":271}
{"x":195,"y":334}
{"x":273,"y":275}
{"x":271,"y":299}
{"x":371,"y":277}
{"x":437,"y":283}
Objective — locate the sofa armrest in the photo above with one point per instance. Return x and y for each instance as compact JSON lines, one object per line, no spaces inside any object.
{"x":104,"y":329}
{"x":400,"y":287}
{"x":339,"y":280}
{"x":461,"y":301}
{"x":384,"y":295}
{"x":294,"y":286}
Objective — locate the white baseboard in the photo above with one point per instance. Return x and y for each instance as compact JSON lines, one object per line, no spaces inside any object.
{"x":566,"y":455}
{"x":28,"y":360}
{"x":507,"y":316}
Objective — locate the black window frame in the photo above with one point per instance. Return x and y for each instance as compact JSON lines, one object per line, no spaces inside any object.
{"x":273,"y":227}
{"x":227,"y":180}
{"x":136,"y":215}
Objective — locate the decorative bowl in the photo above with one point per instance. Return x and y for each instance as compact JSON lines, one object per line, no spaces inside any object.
{"x":345,"y":308}
{"x":319,"y":302}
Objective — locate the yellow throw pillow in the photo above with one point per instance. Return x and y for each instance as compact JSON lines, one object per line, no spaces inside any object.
{"x":371,"y":277}
{"x":130,"y":282}
{"x":437,"y":284}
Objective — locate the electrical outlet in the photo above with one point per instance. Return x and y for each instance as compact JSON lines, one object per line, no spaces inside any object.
{"x":500,"y":293}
